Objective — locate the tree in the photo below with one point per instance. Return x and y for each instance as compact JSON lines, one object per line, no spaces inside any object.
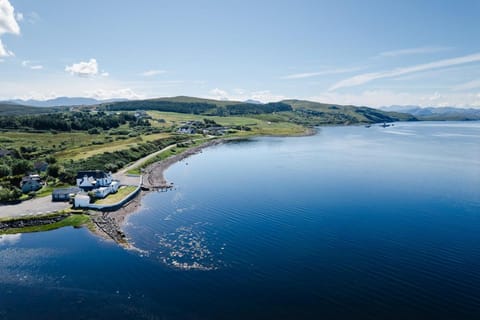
{"x":51,"y":160}
{"x":21,"y":167}
{"x":54,"y":170}
{"x":5,"y":170}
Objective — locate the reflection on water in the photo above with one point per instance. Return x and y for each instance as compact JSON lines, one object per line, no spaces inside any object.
{"x":186,"y":248}
{"x":9,"y":239}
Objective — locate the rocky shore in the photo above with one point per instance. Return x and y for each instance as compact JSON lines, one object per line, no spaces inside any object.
{"x":109,"y":224}
{"x":154,"y":173}
{"x":29,"y":222}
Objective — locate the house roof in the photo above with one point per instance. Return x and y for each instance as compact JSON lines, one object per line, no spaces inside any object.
{"x":96,"y":174}
{"x":31,"y":178}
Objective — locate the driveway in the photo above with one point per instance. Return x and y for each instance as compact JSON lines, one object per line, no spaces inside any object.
{"x":35,"y":206}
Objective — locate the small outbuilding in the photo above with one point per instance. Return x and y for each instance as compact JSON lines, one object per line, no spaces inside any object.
{"x":81,"y":201}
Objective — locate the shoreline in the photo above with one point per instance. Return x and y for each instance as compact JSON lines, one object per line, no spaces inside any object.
{"x":109,"y":225}
{"x":153,"y":175}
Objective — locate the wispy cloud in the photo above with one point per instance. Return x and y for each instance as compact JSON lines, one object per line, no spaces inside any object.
{"x":28,"y":64}
{"x":151,"y":73}
{"x":411,"y":51}
{"x":319,"y":73}
{"x":367,"y":77}
{"x":467,"y":85}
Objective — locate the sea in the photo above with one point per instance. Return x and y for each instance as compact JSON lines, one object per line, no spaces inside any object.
{"x":349,"y":223}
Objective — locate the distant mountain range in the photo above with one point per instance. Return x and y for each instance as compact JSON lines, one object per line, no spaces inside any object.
{"x":253,"y":101}
{"x":437,"y":113}
{"x":60,"y":102}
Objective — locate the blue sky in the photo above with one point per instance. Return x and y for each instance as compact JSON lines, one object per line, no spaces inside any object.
{"x":359,"y":52}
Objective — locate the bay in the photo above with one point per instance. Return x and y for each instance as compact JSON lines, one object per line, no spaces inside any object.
{"x":353,"y":222}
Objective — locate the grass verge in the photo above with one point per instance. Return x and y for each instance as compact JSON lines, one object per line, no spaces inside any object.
{"x":122,"y":193}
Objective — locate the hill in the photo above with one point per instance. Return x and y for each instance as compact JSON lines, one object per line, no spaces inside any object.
{"x":297,"y":111}
{"x":197,"y":106}
{"x":186,"y":99}
{"x":60,"y":102}
{"x":438,"y":113}
{"x":10,"y":109}
{"x":334,"y":113}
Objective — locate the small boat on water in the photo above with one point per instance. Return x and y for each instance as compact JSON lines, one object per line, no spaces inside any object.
{"x":368,"y":126}
{"x":385,"y":125}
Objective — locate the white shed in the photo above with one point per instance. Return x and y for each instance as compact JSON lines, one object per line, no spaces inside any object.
{"x":81,"y":200}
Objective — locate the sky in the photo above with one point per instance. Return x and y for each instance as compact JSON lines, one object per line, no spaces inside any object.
{"x":374,"y":53}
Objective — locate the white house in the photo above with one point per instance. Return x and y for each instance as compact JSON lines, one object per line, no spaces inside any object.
{"x":102,"y":192}
{"x":114,"y":186}
{"x":88,"y":180}
{"x":81,"y":200}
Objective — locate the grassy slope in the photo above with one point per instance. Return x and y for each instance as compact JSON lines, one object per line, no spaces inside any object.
{"x":218,"y":103}
{"x":349,"y":110}
{"x":7,"y":109}
{"x":258,"y":126}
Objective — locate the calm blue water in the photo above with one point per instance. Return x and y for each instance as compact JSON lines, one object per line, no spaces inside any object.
{"x":352,"y":223}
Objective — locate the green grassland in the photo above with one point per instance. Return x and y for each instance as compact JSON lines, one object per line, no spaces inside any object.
{"x":257,"y":124}
{"x":73,"y":220}
{"x":122,"y":193}
{"x":11,"y":109}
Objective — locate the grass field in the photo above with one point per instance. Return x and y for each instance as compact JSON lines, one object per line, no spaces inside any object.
{"x":74,"y":220}
{"x":116,"y":197}
{"x":42,"y":140}
{"x":258,"y":126}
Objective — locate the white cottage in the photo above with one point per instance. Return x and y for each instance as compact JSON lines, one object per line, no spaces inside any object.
{"x":88,"y":180}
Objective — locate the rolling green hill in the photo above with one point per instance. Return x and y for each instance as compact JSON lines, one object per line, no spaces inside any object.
{"x":295,"y":111}
{"x":334,"y":113}
{"x":186,"y":99}
{"x":7,"y":109}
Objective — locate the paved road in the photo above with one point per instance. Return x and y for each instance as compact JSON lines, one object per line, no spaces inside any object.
{"x":142,"y":160}
{"x":35,"y":206}
{"x":132,"y":180}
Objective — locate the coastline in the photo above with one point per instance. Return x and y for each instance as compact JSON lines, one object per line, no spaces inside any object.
{"x":153,"y":175}
{"x":109,"y":225}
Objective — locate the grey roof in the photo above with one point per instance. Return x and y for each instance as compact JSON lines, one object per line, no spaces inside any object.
{"x":96,"y":174}
{"x":65,"y":191}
